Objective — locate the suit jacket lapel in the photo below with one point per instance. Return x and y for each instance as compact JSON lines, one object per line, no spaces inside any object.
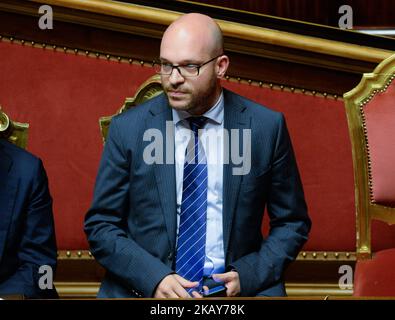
{"x":7,"y":196}
{"x":234,"y":118}
{"x":165,"y":173}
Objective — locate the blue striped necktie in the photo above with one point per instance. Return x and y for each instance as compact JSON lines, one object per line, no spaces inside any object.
{"x":191,"y":242}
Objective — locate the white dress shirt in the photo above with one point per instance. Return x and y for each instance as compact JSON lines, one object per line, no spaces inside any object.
{"x":211,"y":133}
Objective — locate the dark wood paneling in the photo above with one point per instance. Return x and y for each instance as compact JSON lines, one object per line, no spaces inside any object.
{"x":80,"y":37}
{"x":321,"y":13}
{"x":79,"y":270}
{"x":366,"y":13}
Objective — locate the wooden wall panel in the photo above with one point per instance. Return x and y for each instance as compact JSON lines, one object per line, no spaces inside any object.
{"x":378,"y":13}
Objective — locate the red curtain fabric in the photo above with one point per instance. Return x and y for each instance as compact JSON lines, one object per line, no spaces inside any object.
{"x":62,"y":96}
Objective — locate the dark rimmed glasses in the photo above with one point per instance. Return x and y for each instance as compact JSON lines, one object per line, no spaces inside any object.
{"x":185,"y":70}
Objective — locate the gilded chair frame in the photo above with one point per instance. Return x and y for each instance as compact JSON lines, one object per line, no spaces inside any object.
{"x":355,"y":102}
{"x":148,"y":90}
{"x":15,"y":132}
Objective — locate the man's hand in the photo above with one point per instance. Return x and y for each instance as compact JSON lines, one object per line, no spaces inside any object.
{"x":231,"y":281}
{"x":173,"y":286}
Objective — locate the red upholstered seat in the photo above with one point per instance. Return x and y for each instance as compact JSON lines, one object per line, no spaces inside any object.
{"x":376,"y":276}
{"x":371,"y":119}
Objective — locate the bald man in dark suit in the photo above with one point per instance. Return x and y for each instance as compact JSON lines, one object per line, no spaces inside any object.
{"x":172,"y":229}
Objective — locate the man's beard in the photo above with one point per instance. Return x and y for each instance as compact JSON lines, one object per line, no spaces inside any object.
{"x":174,"y":104}
{"x":200,"y":102}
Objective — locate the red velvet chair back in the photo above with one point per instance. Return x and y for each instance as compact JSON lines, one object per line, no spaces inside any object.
{"x":370,"y":111}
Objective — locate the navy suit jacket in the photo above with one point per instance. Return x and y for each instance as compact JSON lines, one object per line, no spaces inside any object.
{"x":131,"y":225}
{"x":27,"y":237}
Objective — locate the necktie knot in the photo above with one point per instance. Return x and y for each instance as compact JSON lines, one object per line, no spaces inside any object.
{"x":196,"y":123}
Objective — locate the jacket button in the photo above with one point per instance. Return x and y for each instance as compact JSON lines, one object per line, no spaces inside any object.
{"x":170,"y":256}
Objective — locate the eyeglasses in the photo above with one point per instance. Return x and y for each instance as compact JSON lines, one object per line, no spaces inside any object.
{"x":185,"y":70}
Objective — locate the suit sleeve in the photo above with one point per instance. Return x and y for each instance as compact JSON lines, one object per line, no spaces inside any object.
{"x":38,"y":244}
{"x":105,"y":222}
{"x":289,"y":222}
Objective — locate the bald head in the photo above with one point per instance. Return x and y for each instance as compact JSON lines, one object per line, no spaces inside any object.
{"x":194,"y":33}
{"x":193,"y":47}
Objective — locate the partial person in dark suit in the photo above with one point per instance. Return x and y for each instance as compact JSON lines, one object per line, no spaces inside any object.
{"x":166,"y":228}
{"x":27,"y":236}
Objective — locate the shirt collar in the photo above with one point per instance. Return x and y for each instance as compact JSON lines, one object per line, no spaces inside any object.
{"x":215,"y":113}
